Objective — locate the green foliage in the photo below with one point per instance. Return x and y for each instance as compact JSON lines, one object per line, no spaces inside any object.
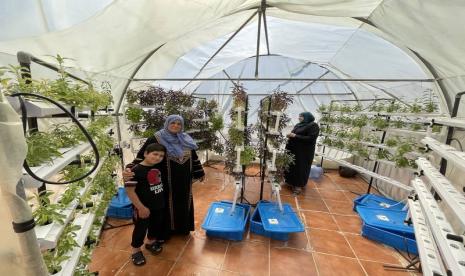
{"x":380,"y":123}
{"x":283,"y":161}
{"x":360,"y":121}
{"x":216,"y":122}
{"x":415,"y":107}
{"x":391,"y":142}
{"x":46,"y":212}
{"x":64,"y":136}
{"x":236,"y":137}
{"x":416,"y":126}
{"x":436,"y":128}
{"x":134,"y":114}
{"x":322,"y":108}
{"x":248,"y":155}
{"x":41,"y":149}
{"x":398,"y":124}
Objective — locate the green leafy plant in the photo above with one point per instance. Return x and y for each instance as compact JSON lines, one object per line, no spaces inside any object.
{"x":391,"y":142}
{"x":398,"y":123}
{"x":248,"y":155}
{"x":380,"y":123}
{"x":322,"y":108}
{"x":436,"y":128}
{"x":134,"y":114}
{"x":46,"y":211}
{"x":236,"y":137}
{"x":41,"y":149}
{"x":216,"y":122}
{"x":416,"y":126}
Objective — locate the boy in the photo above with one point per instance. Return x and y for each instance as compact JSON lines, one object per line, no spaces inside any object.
{"x":145,"y":190}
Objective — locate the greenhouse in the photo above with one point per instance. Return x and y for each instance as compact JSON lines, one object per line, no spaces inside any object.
{"x":239,"y":137}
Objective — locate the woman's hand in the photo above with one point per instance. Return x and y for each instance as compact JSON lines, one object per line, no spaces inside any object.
{"x":290,"y":135}
{"x":127,"y":174}
{"x":143,"y":212}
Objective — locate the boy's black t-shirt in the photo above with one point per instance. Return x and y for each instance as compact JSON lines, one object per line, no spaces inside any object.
{"x":149,"y":186}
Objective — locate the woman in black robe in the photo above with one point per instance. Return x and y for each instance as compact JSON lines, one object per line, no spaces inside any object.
{"x":301,"y":143}
{"x":180,"y":167}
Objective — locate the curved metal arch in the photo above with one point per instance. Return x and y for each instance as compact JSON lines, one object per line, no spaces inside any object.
{"x":424,"y":64}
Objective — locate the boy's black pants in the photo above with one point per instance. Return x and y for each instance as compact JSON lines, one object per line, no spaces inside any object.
{"x":152,"y":227}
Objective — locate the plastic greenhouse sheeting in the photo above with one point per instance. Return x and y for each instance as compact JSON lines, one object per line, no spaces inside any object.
{"x":418,"y":39}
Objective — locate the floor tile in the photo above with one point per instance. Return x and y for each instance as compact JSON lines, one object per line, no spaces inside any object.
{"x":351,"y":224}
{"x":154,"y":266}
{"x":377,"y":269}
{"x":108,"y":260}
{"x":205,"y":252}
{"x":329,"y":265}
{"x":173,"y":247}
{"x":296,"y":241}
{"x":250,"y":258}
{"x":309,"y":192}
{"x":290,"y":200}
{"x":333,"y":195}
{"x":312,"y":204}
{"x":366,"y":249}
{"x":229,"y":273}
{"x":340,"y":207}
{"x":284,"y":261}
{"x":319,"y":220}
{"x":330,"y":242}
{"x":188,"y":269}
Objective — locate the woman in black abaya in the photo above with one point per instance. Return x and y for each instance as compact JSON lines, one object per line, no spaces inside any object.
{"x":301,"y":142}
{"x":180,"y":167}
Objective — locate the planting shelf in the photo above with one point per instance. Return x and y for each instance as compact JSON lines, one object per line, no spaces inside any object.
{"x":200,"y":120}
{"x":372,"y":113}
{"x":452,"y":197}
{"x":452,"y":252}
{"x":38,"y":108}
{"x":446,"y":151}
{"x":453,"y":122}
{"x":48,"y":170}
{"x":367,"y":172}
{"x":85,"y":221}
{"x":429,"y":255}
{"x":374,"y":158}
{"x":48,"y":235}
{"x":193,"y":131}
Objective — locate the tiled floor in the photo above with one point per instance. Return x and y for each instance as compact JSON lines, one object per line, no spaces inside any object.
{"x":331,"y":244}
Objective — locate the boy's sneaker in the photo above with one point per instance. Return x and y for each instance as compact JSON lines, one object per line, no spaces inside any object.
{"x":138,"y":258}
{"x":155,"y":248}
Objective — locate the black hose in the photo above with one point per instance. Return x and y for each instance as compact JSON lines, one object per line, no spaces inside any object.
{"x":84,"y":131}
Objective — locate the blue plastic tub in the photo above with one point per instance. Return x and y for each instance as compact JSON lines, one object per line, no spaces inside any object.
{"x":388,"y":220}
{"x":256,"y":226}
{"x":220,"y":223}
{"x":390,"y":238}
{"x":376,"y":201}
{"x":120,"y":205}
{"x":267,"y":220}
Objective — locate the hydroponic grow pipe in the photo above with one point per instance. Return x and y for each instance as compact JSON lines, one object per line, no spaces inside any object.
{"x":450,"y":130}
{"x":26,"y":58}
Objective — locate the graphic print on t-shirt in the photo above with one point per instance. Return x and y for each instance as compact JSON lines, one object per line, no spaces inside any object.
{"x":153,"y":177}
